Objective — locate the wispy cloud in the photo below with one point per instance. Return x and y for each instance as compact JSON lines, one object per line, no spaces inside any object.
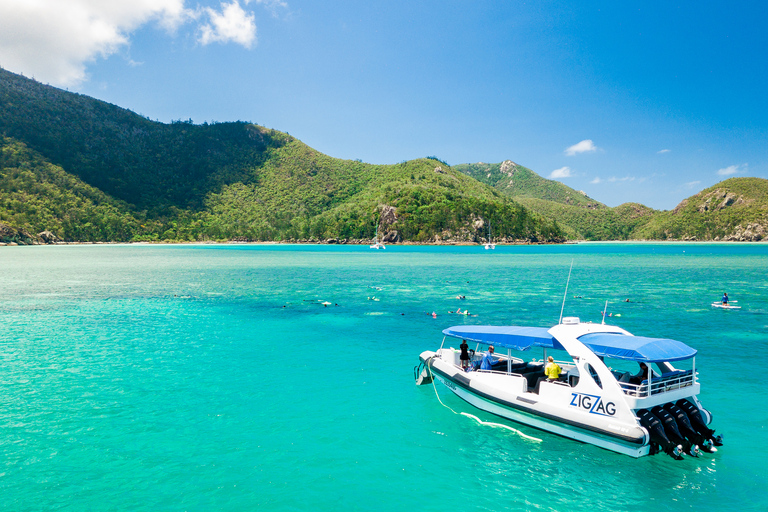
{"x":585,"y":146}
{"x":563,"y":172}
{"x":614,"y":179}
{"x":732,"y":169}
{"x":692,"y":184}
{"x":54,"y":40}
{"x":596,"y":180}
{"x":663,"y":151}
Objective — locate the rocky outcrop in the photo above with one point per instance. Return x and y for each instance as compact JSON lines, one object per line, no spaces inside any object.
{"x":754,"y":232}
{"x":392,"y":237}
{"x":388,"y":216}
{"x":17,"y":236}
{"x":718,"y":200}
{"x":47,"y":237}
{"x":10,"y":234}
{"x":508,"y":167}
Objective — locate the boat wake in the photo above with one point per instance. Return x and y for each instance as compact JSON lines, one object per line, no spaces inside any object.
{"x":486,"y":423}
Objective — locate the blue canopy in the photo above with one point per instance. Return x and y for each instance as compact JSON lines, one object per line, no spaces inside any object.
{"x":509,"y":336}
{"x":603,"y":344}
{"x":637,"y":348}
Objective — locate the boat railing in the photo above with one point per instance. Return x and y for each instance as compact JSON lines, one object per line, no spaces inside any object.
{"x":667,"y":382}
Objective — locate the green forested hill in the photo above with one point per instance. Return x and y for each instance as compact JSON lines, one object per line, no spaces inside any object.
{"x":734,"y":209}
{"x":35,"y":193}
{"x":88,"y":170}
{"x":580,"y":216}
{"x":515,"y":180}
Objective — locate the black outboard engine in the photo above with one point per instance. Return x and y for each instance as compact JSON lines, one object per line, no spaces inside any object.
{"x":697,"y":421}
{"x":658,"y":437}
{"x":670,"y":427}
{"x":687,"y":429}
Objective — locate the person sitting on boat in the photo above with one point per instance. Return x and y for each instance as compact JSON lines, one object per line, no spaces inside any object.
{"x":488,"y":360}
{"x":725,"y":298}
{"x":464,"y":354}
{"x":552,"y":370}
{"x":642,"y":374}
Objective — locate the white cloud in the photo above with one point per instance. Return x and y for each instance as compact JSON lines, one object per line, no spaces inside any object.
{"x":663,"y":151}
{"x":585,"y":146}
{"x":596,"y":180}
{"x":732,"y":169}
{"x":54,"y":40}
{"x":614,"y":179}
{"x":233,"y":24}
{"x":563,"y":172}
{"x":692,"y":184}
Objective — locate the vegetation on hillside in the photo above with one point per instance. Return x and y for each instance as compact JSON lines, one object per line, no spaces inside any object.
{"x":88,"y":171}
{"x":516,"y":181}
{"x":734,"y":209}
{"x":36,"y":195}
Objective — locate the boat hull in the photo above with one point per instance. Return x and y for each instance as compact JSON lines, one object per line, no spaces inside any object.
{"x":635,"y":442}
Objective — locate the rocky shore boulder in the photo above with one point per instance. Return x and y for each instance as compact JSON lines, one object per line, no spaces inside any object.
{"x":9,"y":234}
{"x":47,"y":237}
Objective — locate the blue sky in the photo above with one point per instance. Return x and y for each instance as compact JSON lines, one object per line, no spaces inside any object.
{"x":628,"y":101}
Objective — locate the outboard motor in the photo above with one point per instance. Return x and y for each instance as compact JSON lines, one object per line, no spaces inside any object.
{"x":687,"y":429}
{"x":697,"y":421}
{"x":422,"y":374}
{"x":670,"y":427}
{"x":658,"y":437}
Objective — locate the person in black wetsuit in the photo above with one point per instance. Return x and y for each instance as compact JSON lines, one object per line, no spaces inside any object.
{"x":464,"y":354}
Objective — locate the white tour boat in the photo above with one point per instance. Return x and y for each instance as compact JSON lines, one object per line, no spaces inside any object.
{"x":597,"y":399}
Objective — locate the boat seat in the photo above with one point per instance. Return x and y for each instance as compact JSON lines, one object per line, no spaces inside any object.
{"x":501,"y":366}
{"x":533,"y":376}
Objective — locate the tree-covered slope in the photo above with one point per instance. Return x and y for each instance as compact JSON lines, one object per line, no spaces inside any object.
{"x":605,"y":223}
{"x":36,"y":195}
{"x":515,"y":180}
{"x":229,"y":180}
{"x":734,"y":209}
{"x":579,"y":216}
{"x":149,"y":164}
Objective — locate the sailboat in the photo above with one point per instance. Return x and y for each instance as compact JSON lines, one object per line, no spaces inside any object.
{"x":489,"y":245}
{"x":377,"y":245}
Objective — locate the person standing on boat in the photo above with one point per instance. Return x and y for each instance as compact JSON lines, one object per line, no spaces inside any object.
{"x":464,"y":354}
{"x":552,"y":370}
{"x":488,"y":359}
{"x":725,"y":298}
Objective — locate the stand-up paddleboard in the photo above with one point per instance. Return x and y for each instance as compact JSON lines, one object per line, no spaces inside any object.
{"x":724,"y":306}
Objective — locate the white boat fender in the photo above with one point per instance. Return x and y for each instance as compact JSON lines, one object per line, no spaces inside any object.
{"x":658,"y":437}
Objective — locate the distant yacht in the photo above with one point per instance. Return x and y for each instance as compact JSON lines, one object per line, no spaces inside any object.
{"x":377,"y":245}
{"x":490,"y":244}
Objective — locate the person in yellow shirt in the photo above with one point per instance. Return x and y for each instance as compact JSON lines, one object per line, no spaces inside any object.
{"x":552,"y":370}
{"x":551,"y":373}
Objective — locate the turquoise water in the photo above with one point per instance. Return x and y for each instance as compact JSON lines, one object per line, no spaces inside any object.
{"x":211,"y":377}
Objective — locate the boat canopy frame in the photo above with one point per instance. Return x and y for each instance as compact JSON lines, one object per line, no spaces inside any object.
{"x":604,"y":344}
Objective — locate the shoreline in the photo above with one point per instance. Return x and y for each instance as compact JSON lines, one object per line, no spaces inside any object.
{"x":400,"y":244}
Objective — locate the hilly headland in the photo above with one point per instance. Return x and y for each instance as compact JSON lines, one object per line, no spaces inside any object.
{"x":77,"y":169}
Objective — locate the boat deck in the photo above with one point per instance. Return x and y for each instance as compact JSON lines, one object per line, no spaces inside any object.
{"x":534,"y":370}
